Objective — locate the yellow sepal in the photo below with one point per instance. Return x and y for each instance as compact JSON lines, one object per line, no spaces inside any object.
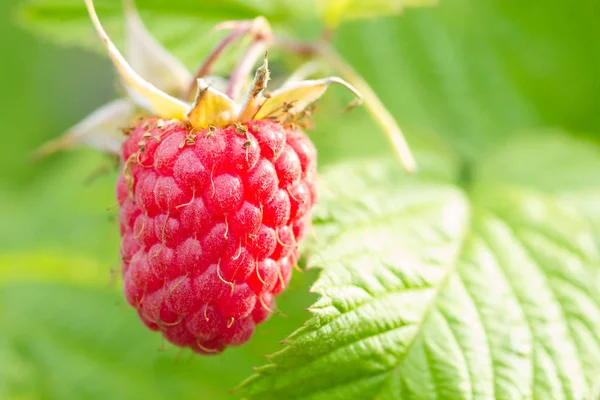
{"x":211,"y":107}
{"x":142,"y":92}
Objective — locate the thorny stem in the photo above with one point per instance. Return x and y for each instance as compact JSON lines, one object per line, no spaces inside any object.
{"x":382,"y":116}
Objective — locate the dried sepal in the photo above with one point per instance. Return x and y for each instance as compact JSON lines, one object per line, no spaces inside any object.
{"x":149,"y":58}
{"x":210,"y":107}
{"x":256,"y":95}
{"x":101,"y":130}
{"x":293,"y":99}
{"x":142,"y":92}
{"x":260,"y":34}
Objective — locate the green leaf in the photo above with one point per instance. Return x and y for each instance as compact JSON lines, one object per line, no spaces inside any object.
{"x":428,"y":291}
{"x":334,"y":12}
{"x":476,"y":72}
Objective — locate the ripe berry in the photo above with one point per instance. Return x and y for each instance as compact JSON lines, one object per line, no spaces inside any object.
{"x":215,"y":195}
{"x":210,"y":222}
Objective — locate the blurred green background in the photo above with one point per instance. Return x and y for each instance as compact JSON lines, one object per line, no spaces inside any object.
{"x":460,"y":78}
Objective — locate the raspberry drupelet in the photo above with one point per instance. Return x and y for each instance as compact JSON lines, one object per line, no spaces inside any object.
{"x":211,"y":220}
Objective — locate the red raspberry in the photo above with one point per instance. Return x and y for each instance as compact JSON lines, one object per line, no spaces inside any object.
{"x":211,"y":220}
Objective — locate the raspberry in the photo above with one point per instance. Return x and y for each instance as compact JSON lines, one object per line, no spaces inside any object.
{"x":210,"y":222}
{"x":215,"y":195}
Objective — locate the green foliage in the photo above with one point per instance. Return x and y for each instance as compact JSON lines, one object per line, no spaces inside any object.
{"x":67,"y":210}
{"x":334,"y":12}
{"x":97,"y":350}
{"x":479,"y":71}
{"x":477,"y":278}
{"x":428,"y":291}
{"x":471,"y":71}
{"x":71,"y":335}
{"x":183,"y":26}
{"x":46,"y":266}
